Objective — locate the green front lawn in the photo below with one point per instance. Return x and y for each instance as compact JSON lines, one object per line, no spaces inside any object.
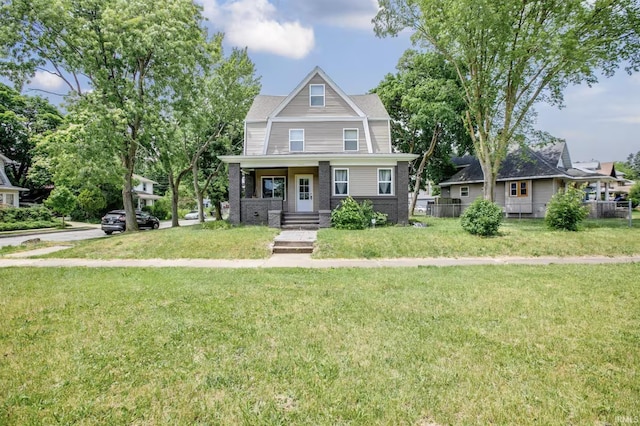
{"x":421,"y":346}
{"x":187,"y":242}
{"x":446,"y":238}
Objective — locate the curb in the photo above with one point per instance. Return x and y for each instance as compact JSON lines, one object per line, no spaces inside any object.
{"x":26,"y":233}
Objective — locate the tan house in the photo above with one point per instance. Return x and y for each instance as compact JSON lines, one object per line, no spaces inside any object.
{"x":526,"y":181}
{"x":9,"y":194}
{"x":305,"y":152}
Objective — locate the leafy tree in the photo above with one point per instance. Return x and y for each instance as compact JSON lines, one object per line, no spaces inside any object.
{"x":634,"y":195}
{"x":633,"y":164}
{"x":92,"y":201}
{"x":134,"y":54}
{"x":425,"y":102}
{"x":23,"y":119}
{"x":206,"y":121}
{"x":510,"y":54}
{"x":62,"y":201}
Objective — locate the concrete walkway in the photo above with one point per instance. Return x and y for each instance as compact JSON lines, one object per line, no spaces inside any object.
{"x":298,"y":261}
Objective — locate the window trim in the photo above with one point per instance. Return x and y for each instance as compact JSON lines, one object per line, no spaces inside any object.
{"x":290,"y":140}
{"x":333,"y":179}
{"x":390,"y":181}
{"x":284,"y":192}
{"x":324,"y":94}
{"x":518,"y":188}
{"x":344,"y":139}
{"x":467,"y":191}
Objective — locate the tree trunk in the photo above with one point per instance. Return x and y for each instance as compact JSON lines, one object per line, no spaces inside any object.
{"x":218,"y":206}
{"x":127,"y":198}
{"x":174,"y":200}
{"x":198,"y":191}
{"x":428,"y":153}
{"x":490,"y":175}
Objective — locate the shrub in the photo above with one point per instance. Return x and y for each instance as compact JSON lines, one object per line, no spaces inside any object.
{"x":352,"y":215}
{"x":565,"y":209}
{"x":634,"y":195}
{"x":482,"y":217}
{"x":25,"y":214}
{"x":91,"y":201}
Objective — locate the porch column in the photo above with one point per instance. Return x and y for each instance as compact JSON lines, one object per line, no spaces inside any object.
{"x":249,"y":184}
{"x":402,"y":191}
{"x":324,"y":185}
{"x":598,"y":190}
{"x":235,"y":189}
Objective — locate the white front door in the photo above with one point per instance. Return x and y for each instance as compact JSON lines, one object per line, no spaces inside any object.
{"x":304,"y":193}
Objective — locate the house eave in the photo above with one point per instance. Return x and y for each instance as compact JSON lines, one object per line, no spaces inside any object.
{"x":13,"y":188}
{"x":313,"y":160}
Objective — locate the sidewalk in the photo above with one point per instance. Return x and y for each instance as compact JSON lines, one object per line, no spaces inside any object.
{"x":297,"y":261}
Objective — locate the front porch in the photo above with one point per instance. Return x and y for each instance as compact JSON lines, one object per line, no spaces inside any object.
{"x":301,"y":197}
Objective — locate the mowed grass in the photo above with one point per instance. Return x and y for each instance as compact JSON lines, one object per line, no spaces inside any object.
{"x":520,"y":345}
{"x":187,"y":242}
{"x":446,"y":238}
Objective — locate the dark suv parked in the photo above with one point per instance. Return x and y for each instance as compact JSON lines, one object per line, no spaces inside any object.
{"x":115,"y":221}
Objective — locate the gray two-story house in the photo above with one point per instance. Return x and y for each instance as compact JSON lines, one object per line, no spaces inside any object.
{"x":305,"y":152}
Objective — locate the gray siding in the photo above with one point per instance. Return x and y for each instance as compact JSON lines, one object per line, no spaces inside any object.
{"x":254,"y":137}
{"x":380,"y":138}
{"x":291,"y":186}
{"x":335,"y":105}
{"x":326,"y":136}
{"x":517,"y":204}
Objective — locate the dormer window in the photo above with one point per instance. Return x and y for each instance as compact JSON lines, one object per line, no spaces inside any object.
{"x":316,"y":95}
{"x":350,"y":138}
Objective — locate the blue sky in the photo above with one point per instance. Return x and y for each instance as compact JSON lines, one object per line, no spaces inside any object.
{"x":287,"y":38}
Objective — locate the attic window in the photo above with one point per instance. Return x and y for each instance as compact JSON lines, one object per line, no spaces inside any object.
{"x":316,"y":95}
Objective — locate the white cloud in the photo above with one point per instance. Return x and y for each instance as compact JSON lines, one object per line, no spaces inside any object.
{"x":347,"y":14}
{"x":46,"y":80}
{"x":255,"y":24}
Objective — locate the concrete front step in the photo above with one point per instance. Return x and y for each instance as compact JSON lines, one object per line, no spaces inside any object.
{"x":280,"y":243}
{"x":302,"y":226}
{"x":290,"y":250}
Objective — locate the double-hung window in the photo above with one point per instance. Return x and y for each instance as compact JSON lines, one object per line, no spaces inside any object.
{"x":341,"y":181}
{"x":273,"y":187}
{"x":385,"y":181}
{"x":316,"y":95}
{"x":519,"y":189}
{"x":350,"y":137}
{"x":296,"y":140}
{"x":464,"y":191}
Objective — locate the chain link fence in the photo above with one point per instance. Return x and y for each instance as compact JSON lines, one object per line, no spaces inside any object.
{"x":620,"y":211}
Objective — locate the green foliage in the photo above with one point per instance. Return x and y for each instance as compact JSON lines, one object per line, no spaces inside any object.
{"x":423,"y":94}
{"x":482,"y":217}
{"x":217,"y":224}
{"x":634,"y":195}
{"x":161,"y":209}
{"x":61,"y":201}
{"x":632,"y":164}
{"x":15,"y":214}
{"x":566,"y":210}
{"x":23,"y":121}
{"x":35,"y":224}
{"x":92,"y":201}
{"x":352,"y":215}
{"x":509,"y":54}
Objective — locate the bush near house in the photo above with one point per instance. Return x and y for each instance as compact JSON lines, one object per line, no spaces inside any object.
{"x":352,"y":215}
{"x":14,"y":218}
{"x":565,"y":210}
{"x":482,"y":217}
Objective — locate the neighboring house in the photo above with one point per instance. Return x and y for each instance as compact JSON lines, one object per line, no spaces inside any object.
{"x":609,"y":190}
{"x":9,"y":194}
{"x":527,"y":179}
{"x":143,"y":192}
{"x":306,"y":152}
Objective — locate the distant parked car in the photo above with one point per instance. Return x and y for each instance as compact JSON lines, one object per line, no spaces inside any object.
{"x":115,"y":220}
{"x":193,"y":215}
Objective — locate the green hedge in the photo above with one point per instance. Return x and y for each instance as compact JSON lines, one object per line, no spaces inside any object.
{"x":26,"y":214}
{"x":36,"y":224}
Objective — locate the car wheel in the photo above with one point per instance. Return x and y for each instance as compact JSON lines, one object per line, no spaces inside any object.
{"x":108,"y":232}
{"x":156,"y":225}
